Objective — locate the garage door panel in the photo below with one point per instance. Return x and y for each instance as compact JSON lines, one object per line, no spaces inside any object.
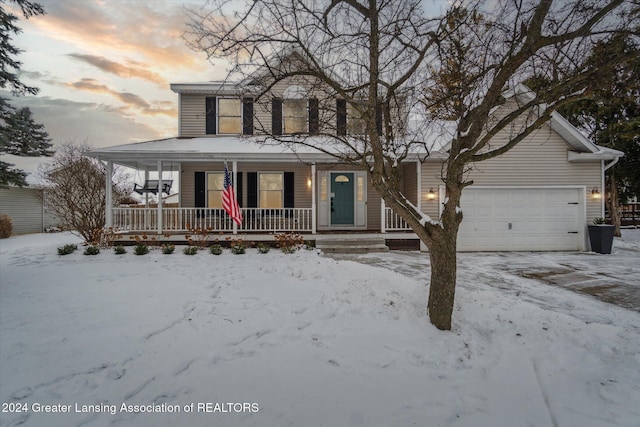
{"x":500,"y":219}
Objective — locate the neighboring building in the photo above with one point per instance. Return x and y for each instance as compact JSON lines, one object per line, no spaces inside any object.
{"x":538,"y":196}
{"x":26,"y":208}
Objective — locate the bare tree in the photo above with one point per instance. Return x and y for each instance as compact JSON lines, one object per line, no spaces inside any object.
{"x":393,"y":66}
{"x":76,"y":190}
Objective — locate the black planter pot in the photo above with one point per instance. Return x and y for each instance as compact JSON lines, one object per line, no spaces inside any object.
{"x":601,"y":238}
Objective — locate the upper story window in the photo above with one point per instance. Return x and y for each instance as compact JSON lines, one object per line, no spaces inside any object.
{"x":229,"y":116}
{"x":226,"y":116}
{"x":349,"y":118}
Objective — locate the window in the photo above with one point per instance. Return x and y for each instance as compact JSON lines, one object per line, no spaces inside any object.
{"x":355,"y":123}
{"x":295,"y":116}
{"x":215,"y":185}
{"x":271,"y":188}
{"x":229,"y":116}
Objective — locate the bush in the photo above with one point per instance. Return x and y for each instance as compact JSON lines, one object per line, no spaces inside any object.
{"x":190,"y":250}
{"x":289,"y":242}
{"x":599,"y":221}
{"x":119,"y":250}
{"x":6,"y":226}
{"x":67,"y":249}
{"x":141,"y":249}
{"x":168,"y":248}
{"x":238,"y":248}
{"x":263,"y":248}
{"x":215,"y":249}
{"x":92,"y":250}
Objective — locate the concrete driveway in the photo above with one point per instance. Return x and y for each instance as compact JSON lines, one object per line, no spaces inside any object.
{"x":613,"y":278}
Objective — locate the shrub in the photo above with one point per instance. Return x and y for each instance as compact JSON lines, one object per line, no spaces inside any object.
{"x":190,"y":250}
{"x":168,"y":248}
{"x":263,"y":248}
{"x":599,"y":221}
{"x":289,"y":242}
{"x":215,"y":249}
{"x":238,"y":248}
{"x":198,"y":237}
{"x":6,"y":226}
{"x":67,"y":249}
{"x":309,"y":245}
{"x":119,"y":250}
{"x":92,"y":250}
{"x":141,"y":249}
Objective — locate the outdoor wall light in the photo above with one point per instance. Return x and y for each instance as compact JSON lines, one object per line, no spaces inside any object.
{"x":595,"y":193}
{"x":431,"y":195}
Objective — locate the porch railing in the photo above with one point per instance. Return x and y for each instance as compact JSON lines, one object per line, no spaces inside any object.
{"x":393,"y":222}
{"x":186,"y":219}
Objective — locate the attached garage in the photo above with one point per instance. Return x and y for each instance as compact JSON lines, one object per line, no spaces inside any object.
{"x":523,"y":219}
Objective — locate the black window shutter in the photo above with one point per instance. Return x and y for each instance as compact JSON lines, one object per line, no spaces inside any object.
{"x":247,"y":116}
{"x":200,"y":192}
{"x":314,"y":118}
{"x":252,"y":189}
{"x":289,"y":190}
{"x":210,"y":109}
{"x":379,"y":118}
{"x":239,"y":188}
{"x":276,"y":117}
{"x":341,"y":117}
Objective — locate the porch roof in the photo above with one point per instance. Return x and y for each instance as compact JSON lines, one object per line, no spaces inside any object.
{"x":216,"y":148}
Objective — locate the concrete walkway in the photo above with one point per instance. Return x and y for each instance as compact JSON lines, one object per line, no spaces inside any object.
{"x":614,"y":278}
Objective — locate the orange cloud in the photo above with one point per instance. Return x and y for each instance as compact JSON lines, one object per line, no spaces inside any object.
{"x":129,"y":99}
{"x":120,"y":70}
{"x":137,"y":29}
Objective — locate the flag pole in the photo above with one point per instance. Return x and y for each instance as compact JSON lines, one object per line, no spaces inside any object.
{"x":234,"y":165}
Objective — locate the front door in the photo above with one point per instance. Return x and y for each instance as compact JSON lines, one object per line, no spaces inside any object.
{"x":342,"y":211}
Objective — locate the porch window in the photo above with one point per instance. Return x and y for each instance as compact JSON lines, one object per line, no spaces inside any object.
{"x":229,"y":116}
{"x":215,"y":185}
{"x":271,"y":188}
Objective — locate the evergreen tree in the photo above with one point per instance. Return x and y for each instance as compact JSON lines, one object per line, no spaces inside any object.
{"x":19,"y":134}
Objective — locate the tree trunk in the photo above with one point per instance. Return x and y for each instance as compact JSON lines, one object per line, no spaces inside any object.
{"x":443,"y":282}
{"x":613,"y":202}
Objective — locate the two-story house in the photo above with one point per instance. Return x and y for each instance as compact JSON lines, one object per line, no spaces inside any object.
{"x":538,"y":196}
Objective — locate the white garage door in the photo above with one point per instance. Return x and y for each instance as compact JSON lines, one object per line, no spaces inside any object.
{"x":525,"y":219}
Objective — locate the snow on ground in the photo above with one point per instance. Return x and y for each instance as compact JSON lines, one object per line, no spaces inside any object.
{"x":305,"y":340}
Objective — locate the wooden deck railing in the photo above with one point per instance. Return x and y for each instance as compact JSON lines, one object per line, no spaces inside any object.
{"x":393,"y":222}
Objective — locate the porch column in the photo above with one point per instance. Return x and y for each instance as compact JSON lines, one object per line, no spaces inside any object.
{"x":159,"y":196}
{"x":419,"y":189}
{"x":382,"y":215}
{"x":108,"y":211}
{"x":146,"y":194}
{"x":234,"y":166}
{"x":313,"y":199}
{"x":146,"y":200}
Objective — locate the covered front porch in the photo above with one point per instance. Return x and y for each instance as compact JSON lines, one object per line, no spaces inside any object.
{"x":278,"y":190}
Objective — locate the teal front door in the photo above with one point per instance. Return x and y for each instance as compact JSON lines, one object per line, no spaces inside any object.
{"x":342,"y":199}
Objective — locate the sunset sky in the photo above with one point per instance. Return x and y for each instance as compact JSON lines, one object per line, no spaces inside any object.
{"x":104,"y":67}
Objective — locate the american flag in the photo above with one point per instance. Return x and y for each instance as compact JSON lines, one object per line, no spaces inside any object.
{"x":229,"y":201}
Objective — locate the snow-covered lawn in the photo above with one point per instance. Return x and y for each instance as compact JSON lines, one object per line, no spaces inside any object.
{"x":301,"y":340}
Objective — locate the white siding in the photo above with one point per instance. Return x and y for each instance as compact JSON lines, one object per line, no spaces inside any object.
{"x":539,"y":160}
{"x":24,"y":206}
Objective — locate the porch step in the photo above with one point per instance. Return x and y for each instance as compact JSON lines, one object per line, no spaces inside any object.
{"x":351,"y":245}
